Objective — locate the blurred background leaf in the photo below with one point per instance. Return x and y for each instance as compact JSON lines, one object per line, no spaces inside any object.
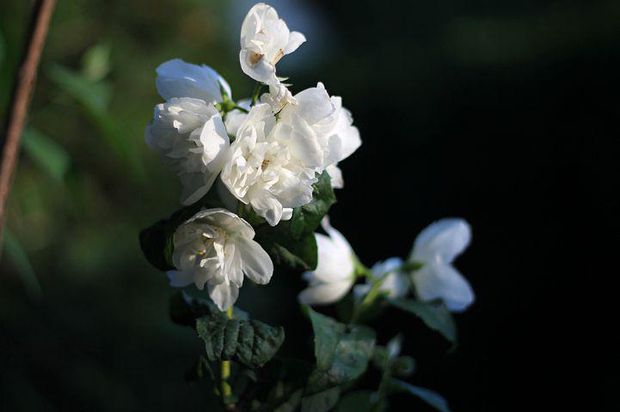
{"x":52,"y":158}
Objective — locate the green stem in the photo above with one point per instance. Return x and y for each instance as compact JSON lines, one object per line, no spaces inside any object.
{"x":256,"y":92}
{"x":226,"y":389}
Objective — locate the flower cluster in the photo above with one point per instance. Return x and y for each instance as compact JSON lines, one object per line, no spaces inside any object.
{"x":265,"y":152}
{"x":258,"y":176}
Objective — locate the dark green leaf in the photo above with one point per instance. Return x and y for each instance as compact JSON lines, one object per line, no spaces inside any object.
{"x":291,"y":404}
{"x":18,"y":256}
{"x":322,"y":401}
{"x":342,"y":352}
{"x":432,"y":398}
{"x":285,"y":251}
{"x":361,"y":401}
{"x":46,"y":153}
{"x":435,"y":315}
{"x":307,"y":218}
{"x":251,"y":343}
{"x":156,"y":241}
{"x":292,"y":243}
{"x":283,"y":381}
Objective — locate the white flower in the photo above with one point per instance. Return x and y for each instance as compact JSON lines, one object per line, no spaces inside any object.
{"x":191,"y":138}
{"x":322,"y":124}
{"x":436,"y":247}
{"x":335,"y":175}
{"x":265,"y":39}
{"x":263,"y":171}
{"x":278,"y":97}
{"x":236,"y":117}
{"x":176,"y":78}
{"x":335,"y":272}
{"x":395,"y":283}
{"x":216,"y":248}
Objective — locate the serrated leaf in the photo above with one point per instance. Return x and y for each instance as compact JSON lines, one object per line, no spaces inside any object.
{"x":51,"y":157}
{"x":435,"y":315}
{"x":252,"y":343}
{"x":430,"y":397}
{"x":322,"y":401}
{"x":342,"y":352}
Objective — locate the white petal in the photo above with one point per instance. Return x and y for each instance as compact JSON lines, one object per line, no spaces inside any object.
{"x":295,"y":40}
{"x":224,"y":295}
{"x":261,"y":71}
{"x":325,"y":293}
{"x":443,"y":240}
{"x":216,"y":142}
{"x":268,"y":207}
{"x":176,"y":78}
{"x":335,"y":175}
{"x":225,"y":219}
{"x":334,"y":262}
{"x":287,"y":213}
{"x":180,"y":279}
{"x":256,"y":263}
{"x":337,"y":237}
{"x":441,"y":281}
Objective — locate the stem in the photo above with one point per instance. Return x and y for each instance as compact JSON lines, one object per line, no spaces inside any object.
{"x":18,"y":108}
{"x":256,"y":92}
{"x":225,"y":375}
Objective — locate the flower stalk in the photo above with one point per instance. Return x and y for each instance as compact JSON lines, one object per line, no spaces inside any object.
{"x":226,"y":389}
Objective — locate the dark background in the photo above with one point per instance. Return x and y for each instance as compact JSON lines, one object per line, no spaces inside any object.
{"x":503,"y":113}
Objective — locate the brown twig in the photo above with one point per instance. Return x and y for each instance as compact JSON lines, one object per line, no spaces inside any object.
{"x":22,"y":92}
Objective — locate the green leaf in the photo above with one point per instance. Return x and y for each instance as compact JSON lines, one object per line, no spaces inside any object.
{"x":292,"y":243}
{"x":307,"y":218}
{"x":96,"y":62}
{"x":283,"y":381}
{"x":342,"y":352}
{"x":432,"y":398}
{"x":46,"y":153}
{"x":94,"y":95}
{"x":285,"y":251}
{"x":291,"y":404}
{"x":157,"y":242}
{"x":157,"y":245}
{"x":435,"y":315}
{"x":361,"y":401}
{"x":18,"y":256}
{"x":250,"y":342}
{"x":322,"y":401}
{"x":190,"y":304}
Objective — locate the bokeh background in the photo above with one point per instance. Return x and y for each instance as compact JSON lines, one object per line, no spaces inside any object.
{"x":505,"y":113}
